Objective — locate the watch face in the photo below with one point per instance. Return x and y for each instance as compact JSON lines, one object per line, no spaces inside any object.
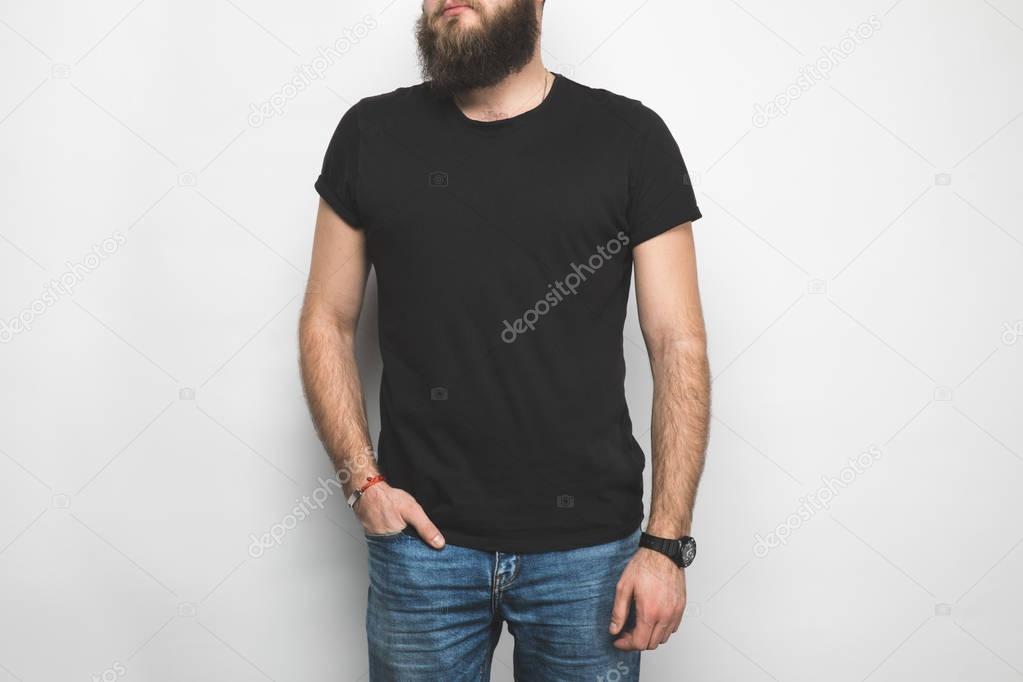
{"x":688,"y":551}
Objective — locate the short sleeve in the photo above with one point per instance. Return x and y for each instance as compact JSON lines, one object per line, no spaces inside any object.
{"x":340,"y":173}
{"x":660,"y":191}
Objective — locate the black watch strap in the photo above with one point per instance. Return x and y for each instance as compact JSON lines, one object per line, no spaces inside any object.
{"x":682,"y":550}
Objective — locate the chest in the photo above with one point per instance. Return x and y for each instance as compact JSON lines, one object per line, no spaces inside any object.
{"x":550,"y":194}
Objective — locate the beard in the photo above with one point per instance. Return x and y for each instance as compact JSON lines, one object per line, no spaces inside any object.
{"x":455,"y":58}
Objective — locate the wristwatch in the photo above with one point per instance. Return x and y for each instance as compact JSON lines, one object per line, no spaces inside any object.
{"x":682,"y":551}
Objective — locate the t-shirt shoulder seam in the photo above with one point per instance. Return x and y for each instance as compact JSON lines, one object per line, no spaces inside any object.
{"x":394,"y":95}
{"x":633,"y":113}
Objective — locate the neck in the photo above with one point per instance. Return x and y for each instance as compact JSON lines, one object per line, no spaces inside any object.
{"x":519,"y":92}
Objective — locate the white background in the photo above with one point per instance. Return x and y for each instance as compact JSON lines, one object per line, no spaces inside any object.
{"x":861,"y":271}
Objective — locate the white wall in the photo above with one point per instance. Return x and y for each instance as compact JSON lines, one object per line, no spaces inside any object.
{"x":860,"y":263}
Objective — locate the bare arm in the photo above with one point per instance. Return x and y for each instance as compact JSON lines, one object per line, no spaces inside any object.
{"x":671,"y":318}
{"x":670,"y":315}
{"x":333,"y":301}
{"x":330,"y":375}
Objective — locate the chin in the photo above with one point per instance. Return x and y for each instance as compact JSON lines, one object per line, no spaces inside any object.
{"x":461,"y":21}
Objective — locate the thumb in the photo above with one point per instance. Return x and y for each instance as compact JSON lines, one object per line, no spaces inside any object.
{"x":424,"y":526}
{"x":623,"y":596}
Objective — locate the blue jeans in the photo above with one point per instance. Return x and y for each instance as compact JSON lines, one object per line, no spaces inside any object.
{"x":436,"y":614}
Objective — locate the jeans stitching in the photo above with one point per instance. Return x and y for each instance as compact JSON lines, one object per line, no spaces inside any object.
{"x":515,"y":574}
{"x":494,"y":592}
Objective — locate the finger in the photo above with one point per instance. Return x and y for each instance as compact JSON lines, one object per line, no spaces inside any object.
{"x":641,"y":634}
{"x":673,"y":628}
{"x":418,"y":519}
{"x":625,"y":643}
{"x":660,"y":635}
{"x":634,"y":640}
{"x":678,"y":617}
{"x":623,"y":597}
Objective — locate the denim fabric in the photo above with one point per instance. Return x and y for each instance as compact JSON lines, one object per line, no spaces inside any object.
{"x":436,"y":615}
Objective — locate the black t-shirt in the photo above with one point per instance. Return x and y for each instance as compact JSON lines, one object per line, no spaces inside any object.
{"x":503,"y":258}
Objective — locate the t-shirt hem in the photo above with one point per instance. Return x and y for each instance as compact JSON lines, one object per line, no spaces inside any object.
{"x":663,"y":227}
{"x":543,"y":541}
{"x":334,"y":200}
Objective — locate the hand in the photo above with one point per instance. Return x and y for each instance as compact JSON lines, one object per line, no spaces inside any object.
{"x":658,"y":587}
{"x":384,"y":510}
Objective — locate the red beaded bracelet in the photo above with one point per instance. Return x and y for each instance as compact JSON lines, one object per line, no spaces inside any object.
{"x":359,"y":492}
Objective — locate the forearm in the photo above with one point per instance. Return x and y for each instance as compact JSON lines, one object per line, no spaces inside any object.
{"x":333,"y":391}
{"x":679,"y":430}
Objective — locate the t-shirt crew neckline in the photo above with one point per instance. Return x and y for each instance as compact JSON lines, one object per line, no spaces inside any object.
{"x":512,"y":120}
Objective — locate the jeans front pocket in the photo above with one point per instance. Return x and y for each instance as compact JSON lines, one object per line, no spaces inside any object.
{"x":386,"y":536}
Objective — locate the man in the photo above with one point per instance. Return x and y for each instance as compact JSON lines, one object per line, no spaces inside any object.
{"x":502,"y":207}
